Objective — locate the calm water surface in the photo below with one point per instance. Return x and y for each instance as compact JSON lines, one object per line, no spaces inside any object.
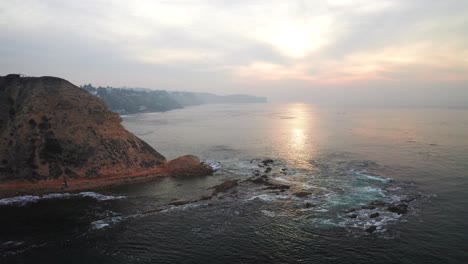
{"x":354,"y":163}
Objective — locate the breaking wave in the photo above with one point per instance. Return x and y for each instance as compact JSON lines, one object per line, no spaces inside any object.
{"x":29,"y":199}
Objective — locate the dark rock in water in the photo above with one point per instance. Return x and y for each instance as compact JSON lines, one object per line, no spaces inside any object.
{"x":309,"y":205}
{"x":284,"y":169}
{"x":204,"y":198}
{"x":377,"y":203}
{"x":268,"y":169}
{"x":401,"y":208}
{"x":267,"y":161}
{"x":179,"y":202}
{"x":353,"y":216}
{"x":256,"y":172}
{"x":223,"y":187}
{"x":371,"y":229}
{"x":408,"y":200}
{"x":280,"y":187}
{"x":369,"y":207}
{"x":189,"y":166}
{"x":259,"y":180}
{"x":302,"y":194}
{"x":374,"y":215}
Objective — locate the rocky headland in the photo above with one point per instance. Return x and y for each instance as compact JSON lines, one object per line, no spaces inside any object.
{"x":58,"y":137}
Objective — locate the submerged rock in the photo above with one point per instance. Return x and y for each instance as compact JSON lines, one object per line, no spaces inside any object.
{"x":401,"y":208}
{"x":371,"y":229}
{"x":179,"y":202}
{"x":377,"y":203}
{"x":280,"y":187}
{"x":267,"y":161}
{"x":204,"y":198}
{"x":374,"y":215}
{"x":302,"y":194}
{"x":259,"y":180}
{"x":225,"y":186}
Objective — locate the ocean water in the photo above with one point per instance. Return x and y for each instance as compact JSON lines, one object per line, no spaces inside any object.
{"x":355,"y":166}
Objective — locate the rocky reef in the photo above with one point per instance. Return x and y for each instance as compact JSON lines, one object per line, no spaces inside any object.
{"x":55,"y":135}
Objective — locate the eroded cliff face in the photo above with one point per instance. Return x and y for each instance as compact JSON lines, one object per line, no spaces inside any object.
{"x":51,"y":129}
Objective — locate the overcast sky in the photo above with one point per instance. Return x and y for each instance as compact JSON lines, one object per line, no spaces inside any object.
{"x":337,"y":51}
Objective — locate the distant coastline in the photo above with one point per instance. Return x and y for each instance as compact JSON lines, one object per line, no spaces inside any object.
{"x":142,"y":100}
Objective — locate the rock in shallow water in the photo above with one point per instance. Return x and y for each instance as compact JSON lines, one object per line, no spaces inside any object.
{"x":223,"y":187}
{"x":259,"y":180}
{"x":179,"y":202}
{"x":398,"y":208}
{"x":374,"y":215}
{"x":371,"y":229}
{"x":302,"y":194}
{"x":188,"y":165}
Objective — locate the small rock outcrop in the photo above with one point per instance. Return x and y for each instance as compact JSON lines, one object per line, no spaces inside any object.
{"x":225,"y":186}
{"x":401,"y":208}
{"x":302,"y":194}
{"x":188,"y":166}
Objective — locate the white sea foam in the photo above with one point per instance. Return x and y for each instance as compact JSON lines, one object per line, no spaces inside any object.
{"x":100,"y":197}
{"x":100,"y":224}
{"x":215,"y":165}
{"x":56,"y":196}
{"x":372,"y":190}
{"x":28,"y":199}
{"x":321,"y":210}
{"x":372,"y":177}
{"x":20,"y":200}
{"x":281,"y":180}
{"x":269,"y":197}
{"x":268,"y":213}
{"x":11,"y":248}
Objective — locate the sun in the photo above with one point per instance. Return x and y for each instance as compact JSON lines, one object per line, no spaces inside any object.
{"x":298,"y":39}
{"x":293,"y":42}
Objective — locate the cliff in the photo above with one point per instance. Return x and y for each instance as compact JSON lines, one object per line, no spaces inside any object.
{"x":56,"y":135}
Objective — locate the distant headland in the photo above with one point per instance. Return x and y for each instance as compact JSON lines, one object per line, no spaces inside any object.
{"x":142,"y":100}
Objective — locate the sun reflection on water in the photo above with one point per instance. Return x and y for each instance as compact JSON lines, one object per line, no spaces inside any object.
{"x":299,"y":134}
{"x":298,"y":138}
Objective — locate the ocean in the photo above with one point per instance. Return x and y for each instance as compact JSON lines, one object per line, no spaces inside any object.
{"x":359,"y":185}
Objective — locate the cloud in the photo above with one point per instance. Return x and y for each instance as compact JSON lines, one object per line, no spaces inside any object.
{"x":211,"y":44}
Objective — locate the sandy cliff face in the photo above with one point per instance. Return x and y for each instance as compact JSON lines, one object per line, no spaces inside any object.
{"x":51,"y":129}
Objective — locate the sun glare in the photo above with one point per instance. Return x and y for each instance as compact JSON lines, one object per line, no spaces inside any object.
{"x":297,"y":40}
{"x":294,"y":42}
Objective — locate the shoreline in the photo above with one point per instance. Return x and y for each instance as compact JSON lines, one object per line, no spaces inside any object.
{"x":184,"y":166}
{"x":22,"y":187}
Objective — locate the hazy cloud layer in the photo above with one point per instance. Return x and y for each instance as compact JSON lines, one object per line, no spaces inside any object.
{"x":341,"y":51}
